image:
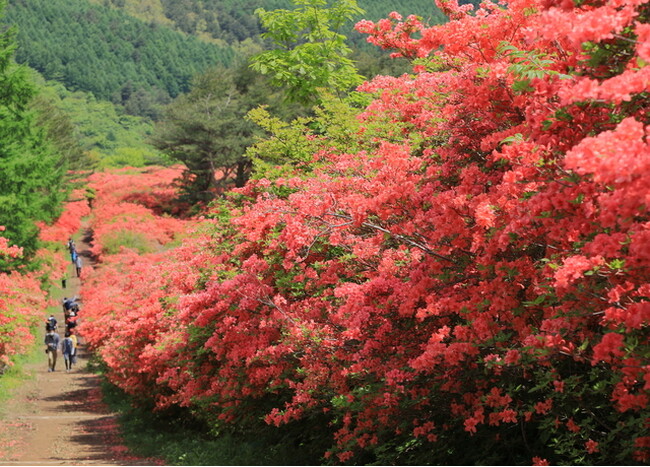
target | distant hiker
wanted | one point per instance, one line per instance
(71, 246)
(71, 321)
(68, 303)
(50, 324)
(75, 343)
(77, 263)
(52, 340)
(73, 256)
(67, 349)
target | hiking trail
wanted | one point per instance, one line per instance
(59, 418)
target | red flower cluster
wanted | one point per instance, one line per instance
(127, 210)
(21, 305)
(482, 260)
(67, 224)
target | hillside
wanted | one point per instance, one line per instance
(140, 54)
(234, 20)
(107, 52)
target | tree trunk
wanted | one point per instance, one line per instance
(243, 172)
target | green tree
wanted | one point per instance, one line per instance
(310, 55)
(61, 132)
(31, 171)
(207, 132)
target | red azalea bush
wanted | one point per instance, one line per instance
(68, 223)
(471, 286)
(21, 308)
(127, 210)
(150, 187)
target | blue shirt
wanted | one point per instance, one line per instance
(67, 346)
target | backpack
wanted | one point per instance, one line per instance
(68, 346)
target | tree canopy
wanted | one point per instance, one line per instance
(309, 53)
(31, 168)
(205, 130)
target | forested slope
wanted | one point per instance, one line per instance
(31, 165)
(104, 51)
(234, 20)
(139, 54)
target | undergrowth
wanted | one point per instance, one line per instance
(177, 438)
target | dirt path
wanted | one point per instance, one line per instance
(59, 418)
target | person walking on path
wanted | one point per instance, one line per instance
(75, 344)
(67, 349)
(52, 340)
(71, 246)
(50, 324)
(78, 265)
(69, 304)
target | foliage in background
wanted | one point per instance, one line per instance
(232, 21)
(105, 134)
(206, 130)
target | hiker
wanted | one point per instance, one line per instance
(71, 246)
(50, 324)
(77, 263)
(68, 304)
(67, 349)
(71, 321)
(52, 340)
(73, 256)
(75, 344)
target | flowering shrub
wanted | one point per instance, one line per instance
(21, 308)
(470, 284)
(68, 223)
(127, 210)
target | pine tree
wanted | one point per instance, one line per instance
(207, 132)
(30, 169)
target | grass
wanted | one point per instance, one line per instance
(126, 238)
(18, 374)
